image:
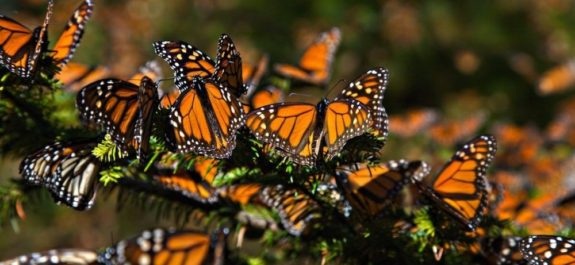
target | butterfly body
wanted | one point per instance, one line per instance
(205, 118)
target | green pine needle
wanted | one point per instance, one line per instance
(111, 175)
(107, 150)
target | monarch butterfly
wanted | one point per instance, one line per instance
(297, 210)
(204, 120)
(252, 74)
(21, 48)
(452, 131)
(504, 250)
(557, 79)
(122, 108)
(552, 250)
(75, 76)
(167, 246)
(189, 62)
(370, 189)
(239, 193)
(68, 171)
(315, 65)
(195, 184)
(56, 256)
(189, 185)
(460, 187)
(308, 133)
(412, 122)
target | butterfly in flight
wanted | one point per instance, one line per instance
(189, 62)
(21, 47)
(314, 66)
(69, 171)
(56, 256)
(123, 108)
(308, 133)
(546, 249)
(167, 246)
(370, 188)
(460, 187)
(297, 210)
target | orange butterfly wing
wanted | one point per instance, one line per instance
(552, 250)
(344, 120)
(70, 38)
(20, 47)
(267, 96)
(229, 66)
(186, 60)
(75, 76)
(286, 126)
(370, 189)
(206, 125)
(251, 75)
(460, 187)
(315, 65)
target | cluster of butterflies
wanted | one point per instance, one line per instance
(212, 101)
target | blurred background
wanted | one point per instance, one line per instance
(479, 64)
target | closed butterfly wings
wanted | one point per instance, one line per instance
(315, 65)
(370, 188)
(123, 108)
(68, 171)
(301, 131)
(460, 187)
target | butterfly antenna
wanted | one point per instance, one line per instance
(299, 94)
(335, 86)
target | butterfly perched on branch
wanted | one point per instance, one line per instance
(123, 108)
(22, 48)
(460, 188)
(68, 171)
(308, 133)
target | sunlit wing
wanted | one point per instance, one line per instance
(70, 38)
(552, 250)
(460, 187)
(344, 120)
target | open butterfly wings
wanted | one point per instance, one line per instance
(551, 250)
(315, 65)
(460, 187)
(20, 47)
(69, 171)
(161, 246)
(370, 189)
(123, 108)
(298, 130)
(70, 38)
(369, 89)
